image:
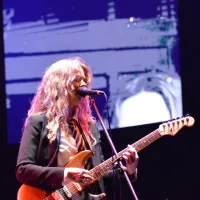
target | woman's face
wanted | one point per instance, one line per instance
(79, 81)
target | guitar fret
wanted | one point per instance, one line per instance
(147, 140)
(139, 145)
(95, 175)
(106, 167)
(101, 169)
(92, 174)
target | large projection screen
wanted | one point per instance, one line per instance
(131, 46)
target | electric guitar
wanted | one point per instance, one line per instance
(73, 190)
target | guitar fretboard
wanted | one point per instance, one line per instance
(107, 165)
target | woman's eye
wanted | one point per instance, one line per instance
(77, 79)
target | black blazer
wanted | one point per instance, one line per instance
(37, 158)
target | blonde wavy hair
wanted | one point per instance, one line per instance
(52, 96)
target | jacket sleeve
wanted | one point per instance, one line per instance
(27, 169)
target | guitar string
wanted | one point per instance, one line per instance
(138, 145)
(97, 171)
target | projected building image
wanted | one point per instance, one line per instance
(132, 49)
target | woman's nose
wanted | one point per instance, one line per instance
(83, 83)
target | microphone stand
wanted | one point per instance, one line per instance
(113, 148)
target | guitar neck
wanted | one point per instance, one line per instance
(107, 165)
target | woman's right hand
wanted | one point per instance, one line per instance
(77, 175)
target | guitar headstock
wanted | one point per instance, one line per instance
(172, 127)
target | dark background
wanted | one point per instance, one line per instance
(169, 168)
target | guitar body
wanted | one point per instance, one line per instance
(29, 192)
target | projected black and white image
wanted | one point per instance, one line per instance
(131, 46)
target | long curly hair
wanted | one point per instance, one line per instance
(52, 96)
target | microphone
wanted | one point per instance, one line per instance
(84, 91)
